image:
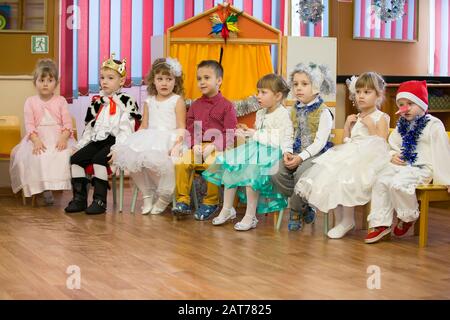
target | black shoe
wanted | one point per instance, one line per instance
(79, 201)
(75, 206)
(98, 205)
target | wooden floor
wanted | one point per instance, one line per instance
(126, 256)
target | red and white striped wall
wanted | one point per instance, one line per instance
(439, 38)
(92, 29)
(368, 25)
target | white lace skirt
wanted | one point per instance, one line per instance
(147, 148)
(48, 171)
(345, 174)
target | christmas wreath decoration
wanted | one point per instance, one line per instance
(310, 10)
(396, 11)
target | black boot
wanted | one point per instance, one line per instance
(79, 201)
(98, 205)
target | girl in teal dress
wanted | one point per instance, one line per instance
(250, 165)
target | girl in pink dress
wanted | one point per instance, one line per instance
(40, 162)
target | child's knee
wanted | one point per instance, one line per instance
(75, 159)
(383, 183)
(298, 173)
(100, 159)
(276, 178)
(399, 187)
(181, 167)
(185, 161)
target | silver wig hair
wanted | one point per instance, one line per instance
(320, 76)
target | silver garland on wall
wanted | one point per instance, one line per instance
(310, 10)
(396, 10)
(246, 106)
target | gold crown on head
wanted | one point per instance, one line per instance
(111, 64)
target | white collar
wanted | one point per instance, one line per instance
(315, 100)
(102, 94)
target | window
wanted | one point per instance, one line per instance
(23, 15)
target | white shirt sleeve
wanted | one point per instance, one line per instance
(259, 118)
(124, 129)
(395, 143)
(322, 135)
(440, 154)
(288, 133)
(86, 137)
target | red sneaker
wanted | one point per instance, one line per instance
(377, 234)
(402, 228)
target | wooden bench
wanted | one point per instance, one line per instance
(425, 195)
(9, 138)
(9, 135)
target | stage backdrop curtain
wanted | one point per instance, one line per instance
(243, 65)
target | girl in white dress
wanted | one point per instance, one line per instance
(342, 177)
(40, 163)
(147, 154)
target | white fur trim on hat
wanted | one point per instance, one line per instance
(413, 98)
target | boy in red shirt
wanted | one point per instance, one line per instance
(214, 119)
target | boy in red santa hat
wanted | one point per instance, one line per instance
(420, 153)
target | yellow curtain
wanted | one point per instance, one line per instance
(243, 66)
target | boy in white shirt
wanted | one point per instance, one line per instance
(312, 122)
(109, 119)
(420, 152)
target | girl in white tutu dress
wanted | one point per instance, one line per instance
(41, 162)
(147, 154)
(342, 177)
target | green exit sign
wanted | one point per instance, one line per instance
(39, 44)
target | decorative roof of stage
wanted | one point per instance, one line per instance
(198, 28)
(254, 60)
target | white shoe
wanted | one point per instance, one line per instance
(245, 227)
(340, 231)
(217, 221)
(159, 207)
(148, 205)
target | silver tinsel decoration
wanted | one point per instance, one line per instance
(246, 106)
(396, 10)
(310, 10)
(188, 103)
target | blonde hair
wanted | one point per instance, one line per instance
(275, 83)
(374, 81)
(44, 68)
(161, 66)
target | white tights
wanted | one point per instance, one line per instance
(252, 203)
